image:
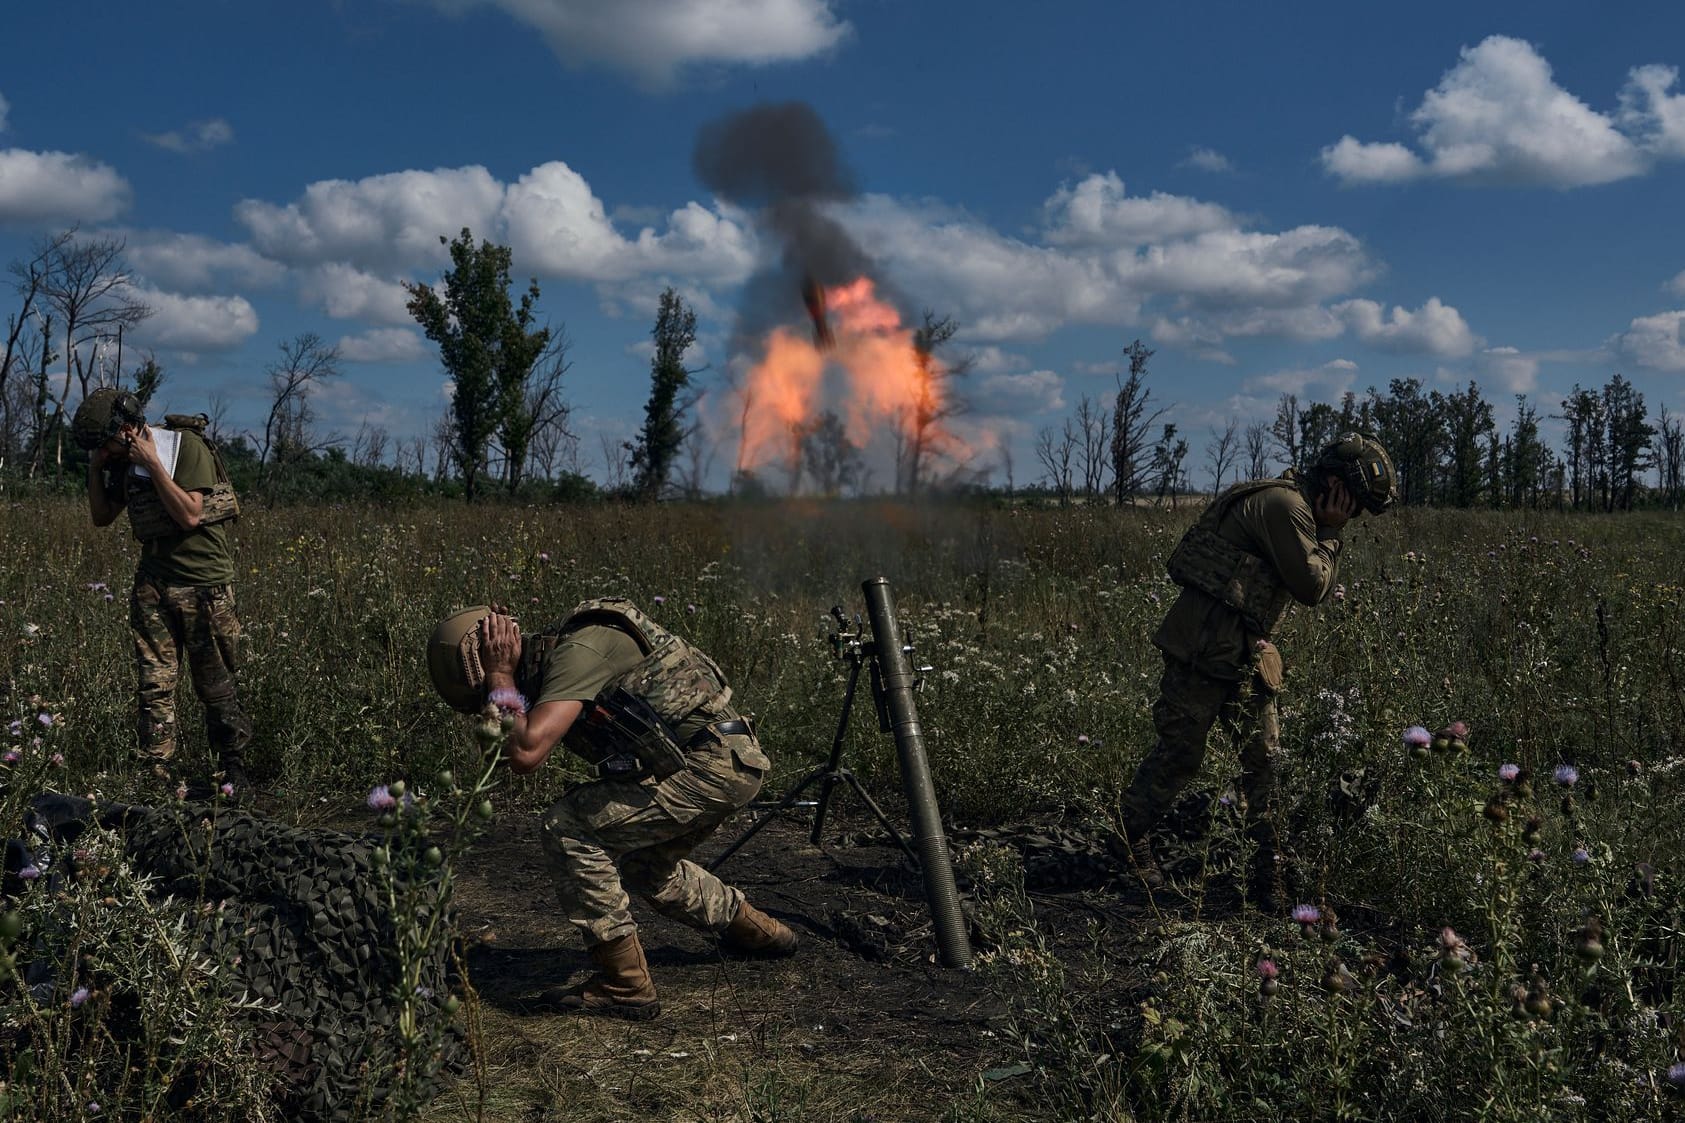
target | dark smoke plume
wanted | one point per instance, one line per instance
(780, 162)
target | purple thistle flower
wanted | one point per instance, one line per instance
(691, 609)
(1268, 969)
(1417, 737)
(424, 990)
(181, 791)
(93, 1107)
(543, 556)
(1676, 1075)
(56, 760)
(1306, 914)
(109, 598)
(1566, 775)
(15, 728)
(12, 757)
(1508, 772)
(78, 996)
(381, 798)
(30, 872)
(227, 790)
(659, 599)
(1082, 738)
(45, 719)
(1580, 856)
(1535, 855)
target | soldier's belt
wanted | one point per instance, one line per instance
(720, 730)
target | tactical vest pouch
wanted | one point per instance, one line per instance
(619, 728)
(148, 518)
(1271, 673)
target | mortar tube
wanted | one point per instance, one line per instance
(953, 945)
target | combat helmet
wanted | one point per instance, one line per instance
(102, 413)
(453, 659)
(1363, 465)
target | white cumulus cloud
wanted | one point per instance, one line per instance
(555, 224)
(195, 263)
(655, 39)
(1510, 368)
(199, 136)
(1325, 383)
(1656, 342)
(1098, 211)
(1499, 117)
(1433, 329)
(58, 187)
(195, 323)
(383, 345)
(1019, 394)
(348, 293)
(1207, 160)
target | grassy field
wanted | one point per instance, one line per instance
(1483, 947)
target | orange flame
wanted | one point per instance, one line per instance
(883, 383)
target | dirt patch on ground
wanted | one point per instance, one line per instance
(860, 1024)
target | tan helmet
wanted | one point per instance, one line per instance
(453, 659)
(102, 413)
(1360, 461)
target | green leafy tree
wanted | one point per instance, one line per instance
(663, 433)
(488, 345)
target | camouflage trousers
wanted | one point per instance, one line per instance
(648, 830)
(1189, 704)
(195, 624)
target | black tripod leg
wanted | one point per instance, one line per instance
(835, 766)
(883, 819)
(769, 815)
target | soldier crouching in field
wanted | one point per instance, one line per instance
(1259, 546)
(180, 504)
(673, 760)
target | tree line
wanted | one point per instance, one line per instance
(1446, 446)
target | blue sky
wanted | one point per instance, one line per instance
(1303, 197)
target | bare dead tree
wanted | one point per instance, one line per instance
(443, 440)
(1222, 452)
(29, 281)
(1006, 465)
(305, 363)
(368, 448)
(698, 452)
(217, 411)
(1670, 457)
(616, 461)
(1133, 416)
(1055, 449)
(1093, 425)
(546, 406)
(1257, 450)
(934, 399)
(87, 284)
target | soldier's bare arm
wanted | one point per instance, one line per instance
(538, 731)
(183, 506)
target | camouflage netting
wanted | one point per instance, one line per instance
(313, 939)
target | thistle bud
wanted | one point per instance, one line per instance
(397, 789)
(489, 731)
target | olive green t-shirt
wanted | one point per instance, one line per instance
(577, 669)
(200, 556)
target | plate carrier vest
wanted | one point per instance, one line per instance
(1234, 577)
(148, 517)
(637, 712)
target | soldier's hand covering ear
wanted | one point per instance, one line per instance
(1335, 506)
(500, 644)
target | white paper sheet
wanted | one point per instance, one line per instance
(168, 442)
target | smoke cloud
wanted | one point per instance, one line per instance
(781, 162)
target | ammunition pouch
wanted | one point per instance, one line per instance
(623, 736)
(1268, 667)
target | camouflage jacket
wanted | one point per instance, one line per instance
(1295, 561)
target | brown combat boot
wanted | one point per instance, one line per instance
(1140, 857)
(621, 988)
(753, 932)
